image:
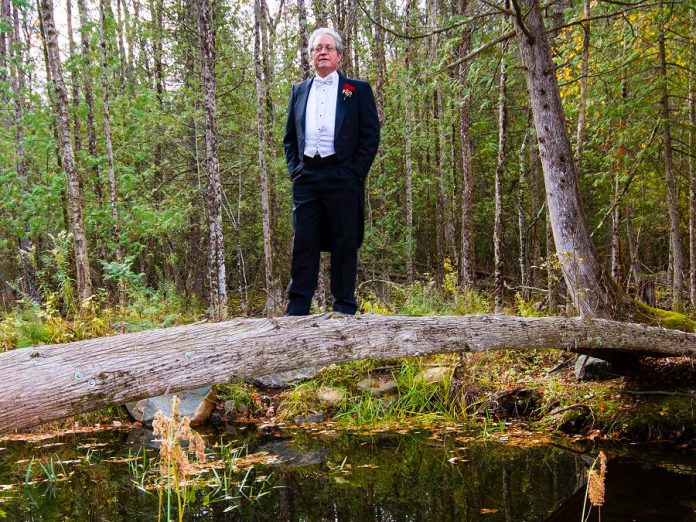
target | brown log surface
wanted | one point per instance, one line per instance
(45, 383)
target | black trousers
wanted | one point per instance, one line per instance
(325, 217)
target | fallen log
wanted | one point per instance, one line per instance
(45, 383)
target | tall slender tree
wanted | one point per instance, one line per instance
(74, 196)
(466, 261)
(692, 168)
(110, 150)
(217, 282)
(499, 172)
(273, 292)
(672, 203)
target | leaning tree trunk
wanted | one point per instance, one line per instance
(110, 153)
(75, 204)
(273, 292)
(672, 203)
(44, 383)
(591, 294)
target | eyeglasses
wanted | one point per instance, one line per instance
(319, 48)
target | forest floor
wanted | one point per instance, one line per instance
(486, 394)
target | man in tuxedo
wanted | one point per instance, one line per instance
(331, 139)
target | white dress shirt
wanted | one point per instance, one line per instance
(320, 116)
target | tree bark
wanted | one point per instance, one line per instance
(592, 295)
(213, 190)
(74, 87)
(582, 104)
(672, 203)
(128, 28)
(121, 48)
(410, 247)
(44, 383)
(467, 273)
(499, 171)
(75, 203)
(110, 152)
(5, 16)
(692, 169)
(522, 190)
(273, 292)
(302, 19)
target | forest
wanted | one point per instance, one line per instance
(533, 196)
(141, 146)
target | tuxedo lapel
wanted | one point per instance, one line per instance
(301, 108)
(341, 103)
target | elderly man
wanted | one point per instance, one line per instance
(331, 138)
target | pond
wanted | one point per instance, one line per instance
(322, 474)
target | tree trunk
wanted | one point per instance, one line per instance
(5, 17)
(75, 204)
(122, 58)
(672, 203)
(44, 383)
(110, 153)
(273, 292)
(73, 79)
(582, 104)
(128, 28)
(522, 189)
(410, 247)
(692, 169)
(89, 97)
(592, 296)
(302, 19)
(537, 209)
(551, 268)
(467, 273)
(499, 171)
(213, 190)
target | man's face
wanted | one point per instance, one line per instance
(327, 58)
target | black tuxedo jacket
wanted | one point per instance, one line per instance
(356, 137)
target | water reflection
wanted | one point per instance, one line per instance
(381, 477)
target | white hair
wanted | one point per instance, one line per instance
(322, 31)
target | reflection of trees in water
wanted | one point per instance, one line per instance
(384, 477)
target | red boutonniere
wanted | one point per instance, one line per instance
(348, 90)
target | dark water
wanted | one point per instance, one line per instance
(380, 477)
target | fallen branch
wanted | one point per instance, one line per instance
(45, 383)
